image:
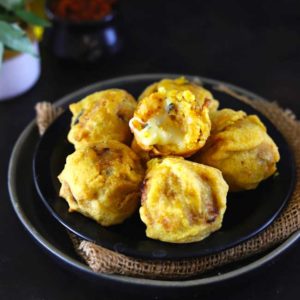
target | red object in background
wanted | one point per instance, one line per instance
(82, 10)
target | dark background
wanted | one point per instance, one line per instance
(252, 44)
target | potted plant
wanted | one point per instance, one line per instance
(19, 63)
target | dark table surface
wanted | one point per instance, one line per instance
(252, 44)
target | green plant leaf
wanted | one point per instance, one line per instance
(13, 37)
(7, 17)
(31, 18)
(1, 53)
(11, 4)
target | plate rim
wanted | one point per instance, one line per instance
(119, 278)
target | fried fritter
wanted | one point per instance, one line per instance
(241, 148)
(144, 155)
(182, 84)
(102, 116)
(182, 201)
(102, 181)
(171, 122)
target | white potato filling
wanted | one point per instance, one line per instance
(159, 129)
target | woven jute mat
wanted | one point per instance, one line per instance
(107, 261)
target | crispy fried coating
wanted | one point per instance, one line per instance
(241, 148)
(182, 201)
(102, 116)
(182, 84)
(102, 181)
(171, 122)
(144, 155)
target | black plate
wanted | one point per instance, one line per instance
(247, 212)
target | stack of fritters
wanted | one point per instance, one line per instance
(102, 178)
(194, 153)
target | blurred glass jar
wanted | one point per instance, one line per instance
(83, 32)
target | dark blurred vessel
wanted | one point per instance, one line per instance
(85, 40)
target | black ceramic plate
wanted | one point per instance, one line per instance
(247, 212)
